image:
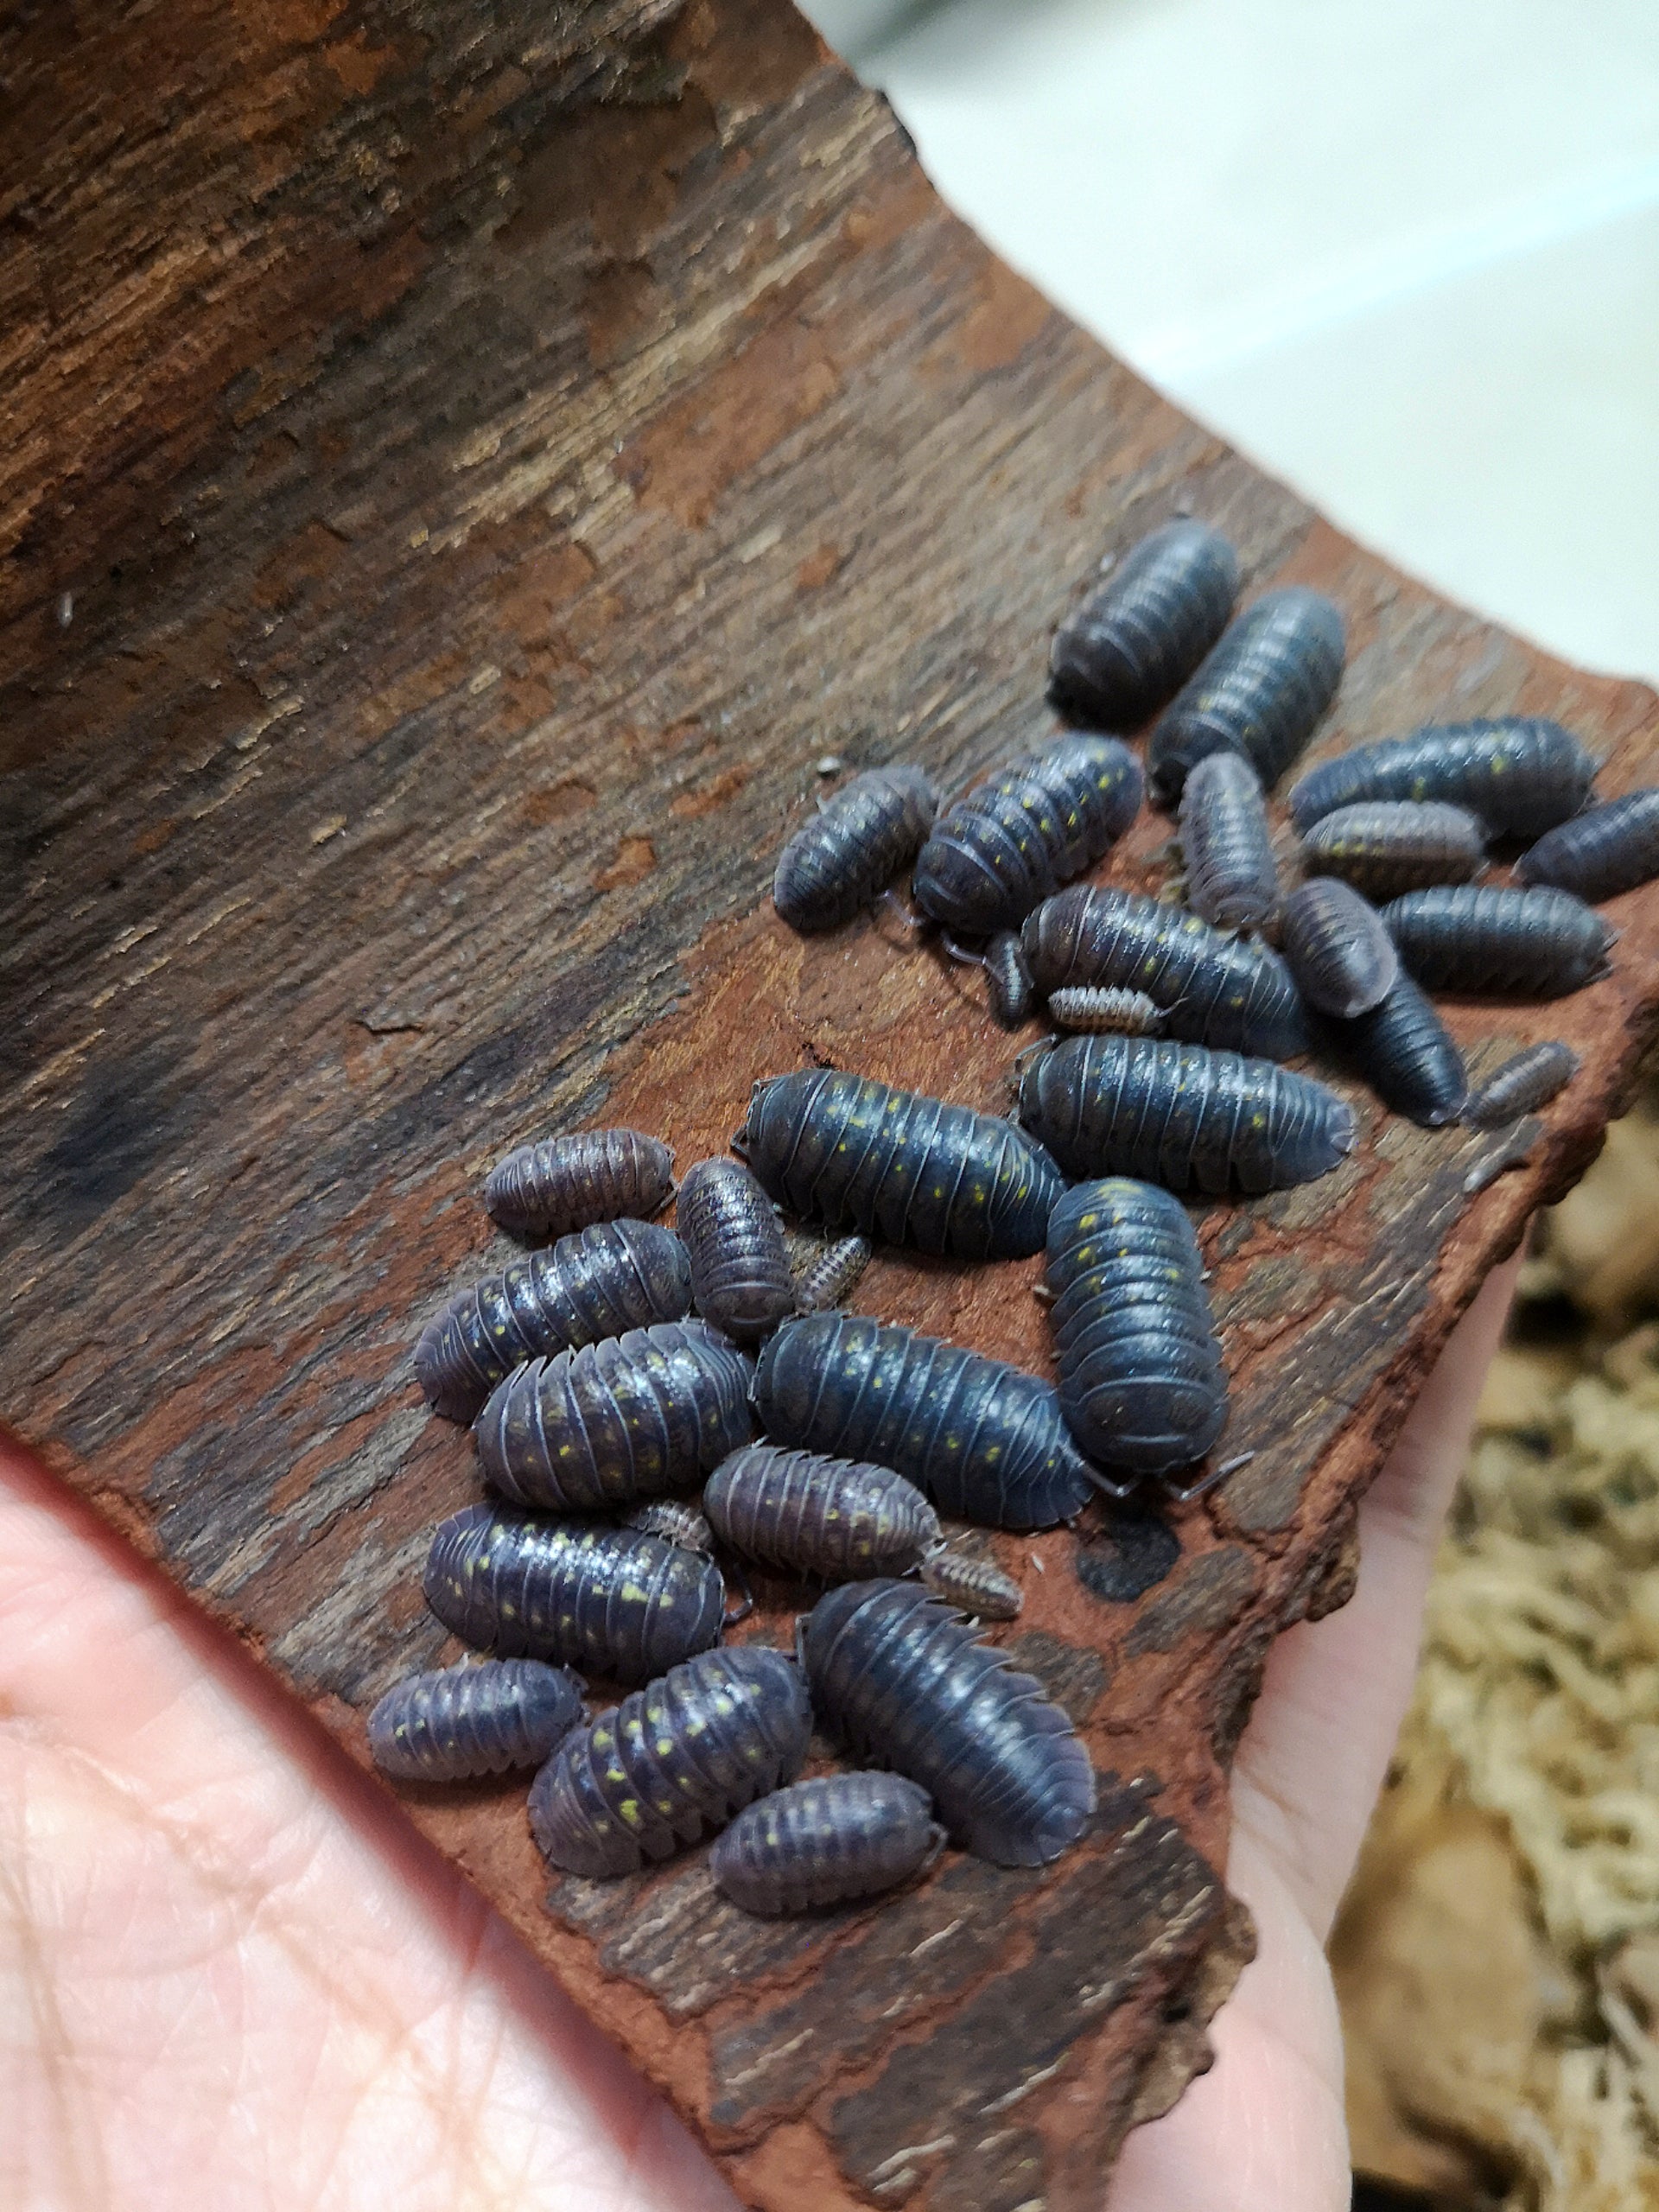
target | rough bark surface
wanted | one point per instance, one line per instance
(460, 469)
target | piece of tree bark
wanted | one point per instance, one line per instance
(462, 468)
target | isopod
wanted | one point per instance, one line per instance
(740, 1279)
(1519, 774)
(633, 1417)
(1136, 638)
(855, 1154)
(905, 1682)
(1232, 878)
(1182, 1117)
(1468, 937)
(821, 1841)
(1259, 692)
(1030, 827)
(1007, 980)
(864, 836)
(1599, 854)
(565, 1183)
(616, 1275)
(483, 1717)
(673, 1761)
(672, 1520)
(842, 1520)
(972, 1585)
(985, 1440)
(1385, 846)
(607, 1601)
(1339, 948)
(1409, 1057)
(1100, 1009)
(1526, 1082)
(827, 1280)
(1215, 989)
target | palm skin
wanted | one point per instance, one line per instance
(232, 1975)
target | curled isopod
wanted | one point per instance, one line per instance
(821, 1841)
(905, 1682)
(1339, 951)
(1232, 878)
(1100, 1009)
(972, 1585)
(1385, 846)
(1007, 980)
(842, 1519)
(741, 1278)
(486, 1716)
(1259, 692)
(1136, 638)
(1468, 937)
(1409, 1057)
(674, 1521)
(864, 836)
(1520, 774)
(1600, 853)
(825, 1282)
(1029, 828)
(565, 1183)
(1526, 1082)
(673, 1760)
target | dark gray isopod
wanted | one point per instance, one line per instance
(864, 836)
(1142, 1382)
(985, 1440)
(1526, 1082)
(1599, 854)
(1007, 980)
(859, 1154)
(616, 1275)
(842, 1519)
(1384, 846)
(634, 1417)
(607, 1601)
(972, 1585)
(1232, 878)
(480, 1718)
(1215, 989)
(1106, 1009)
(1467, 937)
(1409, 1057)
(1029, 828)
(564, 1183)
(1338, 949)
(1520, 774)
(904, 1683)
(1260, 692)
(820, 1841)
(741, 1278)
(1182, 1116)
(671, 1761)
(825, 1282)
(1137, 638)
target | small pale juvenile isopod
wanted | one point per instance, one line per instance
(1520, 774)
(1137, 638)
(740, 1279)
(905, 1682)
(1030, 827)
(1468, 937)
(1142, 1382)
(1260, 692)
(842, 1519)
(672, 1520)
(1599, 854)
(1409, 1057)
(1232, 878)
(1104, 1009)
(1215, 989)
(565, 1183)
(607, 1601)
(616, 1275)
(633, 1417)
(1385, 846)
(820, 1841)
(671, 1761)
(972, 1585)
(855, 1154)
(1526, 1082)
(825, 1281)
(1007, 980)
(486, 1716)
(985, 1440)
(1338, 949)
(864, 836)
(1182, 1116)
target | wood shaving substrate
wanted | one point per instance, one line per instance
(1497, 1957)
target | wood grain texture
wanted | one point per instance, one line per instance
(461, 468)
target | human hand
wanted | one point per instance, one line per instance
(235, 1977)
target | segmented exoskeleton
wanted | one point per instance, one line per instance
(1519, 774)
(1385, 846)
(820, 1841)
(1232, 878)
(1468, 937)
(741, 1278)
(1106, 1009)
(1526, 1082)
(825, 1281)
(1260, 692)
(1338, 949)
(864, 836)
(480, 1718)
(1600, 853)
(842, 1519)
(1409, 1057)
(1138, 636)
(972, 1585)
(565, 1183)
